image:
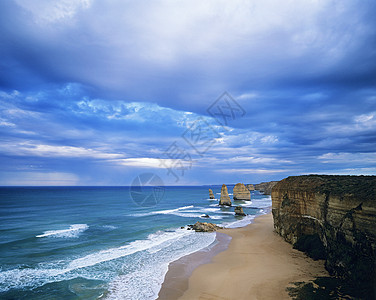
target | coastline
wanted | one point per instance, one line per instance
(257, 264)
(177, 277)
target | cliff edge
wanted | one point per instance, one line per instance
(332, 218)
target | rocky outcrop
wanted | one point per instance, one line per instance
(240, 192)
(331, 217)
(266, 187)
(225, 198)
(211, 195)
(204, 227)
(239, 211)
(250, 187)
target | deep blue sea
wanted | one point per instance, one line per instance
(97, 243)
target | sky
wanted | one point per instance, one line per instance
(196, 92)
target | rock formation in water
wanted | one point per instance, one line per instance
(204, 227)
(211, 195)
(334, 218)
(265, 187)
(239, 211)
(240, 192)
(225, 198)
(250, 187)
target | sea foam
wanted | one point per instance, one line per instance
(153, 240)
(240, 223)
(145, 282)
(178, 240)
(72, 232)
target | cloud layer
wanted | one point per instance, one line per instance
(97, 92)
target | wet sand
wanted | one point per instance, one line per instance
(177, 278)
(258, 264)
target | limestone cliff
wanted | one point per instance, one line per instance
(225, 198)
(211, 195)
(250, 187)
(331, 217)
(265, 187)
(240, 192)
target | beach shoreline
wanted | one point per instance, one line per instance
(256, 264)
(179, 271)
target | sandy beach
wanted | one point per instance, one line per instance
(258, 264)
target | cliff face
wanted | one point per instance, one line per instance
(250, 187)
(265, 187)
(332, 217)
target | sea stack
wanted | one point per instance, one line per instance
(211, 195)
(239, 211)
(241, 192)
(225, 198)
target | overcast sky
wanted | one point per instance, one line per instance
(97, 92)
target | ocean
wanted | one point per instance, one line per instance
(102, 242)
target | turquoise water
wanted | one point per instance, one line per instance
(96, 242)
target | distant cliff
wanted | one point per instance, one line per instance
(334, 218)
(250, 187)
(265, 187)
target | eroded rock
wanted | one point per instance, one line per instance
(225, 198)
(239, 211)
(240, 192)
(204, 227)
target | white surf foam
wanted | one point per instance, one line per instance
(209, 209)
(170, 211)
(72, 232)
(186, 212)
(162, 212)
(111, 227)
(153, 240)
(201, 212)
(240, 223)
(84, 266)
(212, 217)
(146, 282)
(20, 278)
(188, 215)
(247, 204)
(264, 202)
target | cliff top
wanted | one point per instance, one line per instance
(362, 187)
